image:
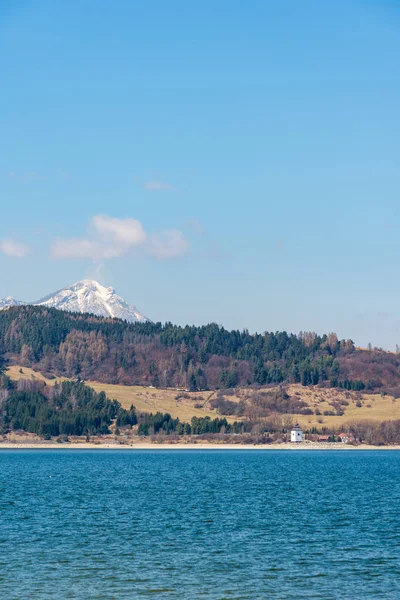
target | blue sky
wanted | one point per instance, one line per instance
(214, 160)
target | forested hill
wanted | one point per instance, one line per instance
(207, 357)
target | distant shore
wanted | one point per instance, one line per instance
(199, 446)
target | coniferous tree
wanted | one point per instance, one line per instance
(113, 351)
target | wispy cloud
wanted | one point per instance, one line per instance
(109, 237)
(159, 186)
(15, 249)
(27, 176)
(82, 248)
(196, 226)
(213, 251)
(30, 176)
(63, 173)
(169, 244)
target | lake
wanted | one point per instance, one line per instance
(199, 524)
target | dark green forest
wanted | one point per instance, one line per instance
(194, 358)
(70, 408)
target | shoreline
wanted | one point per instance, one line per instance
(150, 446)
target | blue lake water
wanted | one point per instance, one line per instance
(199, 524)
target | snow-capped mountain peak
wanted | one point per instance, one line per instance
(9, 301)
(87, 296)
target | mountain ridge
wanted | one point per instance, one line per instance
(85, 296)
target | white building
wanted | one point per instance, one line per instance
(296, 435)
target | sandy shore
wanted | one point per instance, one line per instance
(200, 446)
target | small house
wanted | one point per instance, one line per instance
(324, 438)
(296, 435)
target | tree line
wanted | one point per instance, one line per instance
(191, 357)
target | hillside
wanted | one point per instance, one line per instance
(192, 358)
(328, 409)
(33, 405)
(182, 405)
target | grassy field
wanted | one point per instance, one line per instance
(153, 400)
(186, 405)
(145, 399)
(373, 406)
(16, 373)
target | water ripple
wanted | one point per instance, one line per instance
(199, 525)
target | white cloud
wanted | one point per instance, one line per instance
(170, 244)
(158, 186)
(109, 237)
(82, 248)
(127, 232)
(13, 248)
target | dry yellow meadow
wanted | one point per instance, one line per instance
(186, 405)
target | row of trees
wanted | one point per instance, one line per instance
(163, 423)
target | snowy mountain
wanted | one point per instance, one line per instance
(86, 296)
(9, 301)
